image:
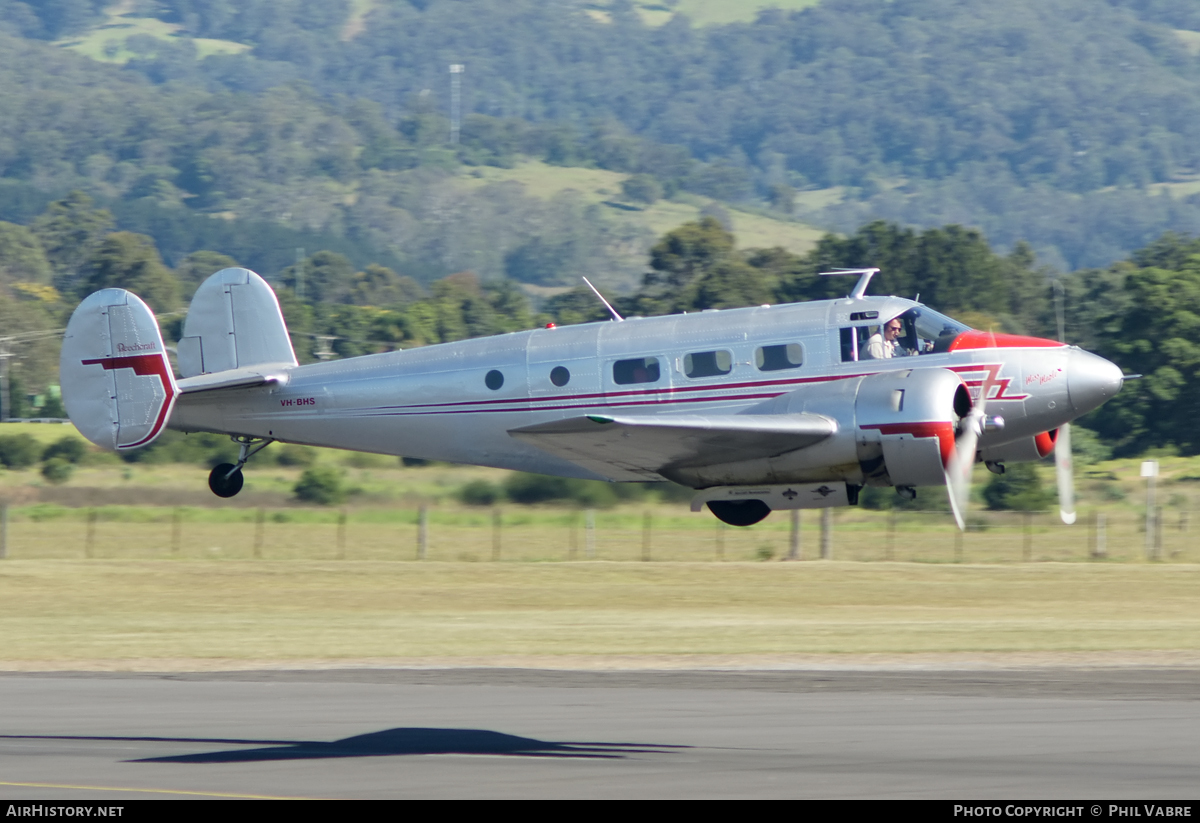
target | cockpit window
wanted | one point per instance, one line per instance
(933, 332)
(921, 331)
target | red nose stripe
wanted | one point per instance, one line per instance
(988, 340)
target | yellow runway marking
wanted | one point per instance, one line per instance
(151, 791)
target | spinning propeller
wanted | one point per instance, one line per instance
(958, 470)
(1063, 467)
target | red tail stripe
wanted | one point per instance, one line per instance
(143, 365)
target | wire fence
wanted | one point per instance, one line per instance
(449, 534)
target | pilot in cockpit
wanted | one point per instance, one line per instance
(886, 344)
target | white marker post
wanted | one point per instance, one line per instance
(1150, 471)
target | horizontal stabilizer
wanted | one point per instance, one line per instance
(639, 448)
(232, 379)
(116, 379)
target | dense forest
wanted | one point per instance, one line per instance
(1049, 123)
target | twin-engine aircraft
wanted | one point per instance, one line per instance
(758, 409)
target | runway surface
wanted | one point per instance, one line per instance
(501, 733)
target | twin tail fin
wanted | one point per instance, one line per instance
(117, 382)
(116, 379)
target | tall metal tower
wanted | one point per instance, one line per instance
(456, 70)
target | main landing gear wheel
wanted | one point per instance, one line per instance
(225, 480)
(739, 512)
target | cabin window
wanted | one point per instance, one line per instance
(494, 380)
(560, 376)
(638, 370)
(707, 363)
(775, 358)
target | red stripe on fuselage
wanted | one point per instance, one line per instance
(143, 365)
(990, 340)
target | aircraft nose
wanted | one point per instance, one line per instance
(1091, 380)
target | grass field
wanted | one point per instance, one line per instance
(713, 12)
(98, 576)
(148, 615)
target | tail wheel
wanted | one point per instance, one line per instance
(224, 484)
(739, 512)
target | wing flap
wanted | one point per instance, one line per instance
(639, 448)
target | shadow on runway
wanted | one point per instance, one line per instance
(390, 742)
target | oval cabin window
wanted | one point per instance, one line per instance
(494, 380)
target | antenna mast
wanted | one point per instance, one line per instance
(607, 305)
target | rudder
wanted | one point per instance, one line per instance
(116, 379)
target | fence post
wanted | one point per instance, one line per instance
(497, 520)
(794, 550)
(826, 534)
(573, 537)
(91, 533)
(1159, 522)
(720, 541)
(1027, 543)
(341, 535)
(589, 534)
(3, 531)
(1150, 472)
(646, 537)
(259, 526)
(422, 532)
(176, 531)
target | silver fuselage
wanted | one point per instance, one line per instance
(435, 402)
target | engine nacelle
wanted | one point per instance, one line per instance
(894, 428)
(906, 423)
(1025, 450)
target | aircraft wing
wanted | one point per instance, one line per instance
(630, 447)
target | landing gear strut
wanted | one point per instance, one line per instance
(226, 479)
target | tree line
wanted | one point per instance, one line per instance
(1139, 312)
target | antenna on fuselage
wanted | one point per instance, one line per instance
(860, 288)
(607, 305)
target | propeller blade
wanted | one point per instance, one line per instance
(958, 472)
(1064, 468)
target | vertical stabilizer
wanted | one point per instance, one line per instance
(234, 322)
(116, 378)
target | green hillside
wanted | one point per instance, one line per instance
(754, 230)
(124, 35)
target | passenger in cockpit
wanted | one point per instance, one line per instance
(886, 344)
